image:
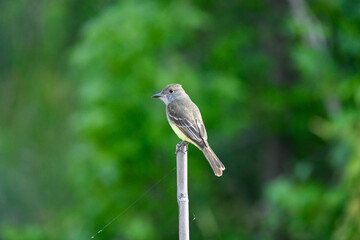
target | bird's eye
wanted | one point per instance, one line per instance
(171, 91)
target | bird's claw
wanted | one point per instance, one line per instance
(181, 147)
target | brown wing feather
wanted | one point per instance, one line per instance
(200, 123)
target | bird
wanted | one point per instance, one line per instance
(185, 119)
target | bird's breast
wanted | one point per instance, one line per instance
(179, 133)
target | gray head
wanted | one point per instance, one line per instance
(170, 93)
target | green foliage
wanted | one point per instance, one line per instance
(81, 139)
(306, 211)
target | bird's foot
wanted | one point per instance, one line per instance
(181, 147)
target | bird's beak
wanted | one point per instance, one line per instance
(159, 95)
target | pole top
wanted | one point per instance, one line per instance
(182, 147)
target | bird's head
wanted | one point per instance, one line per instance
(171, 93)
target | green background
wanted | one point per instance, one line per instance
(278, 85)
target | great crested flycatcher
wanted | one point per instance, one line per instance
(185, 119)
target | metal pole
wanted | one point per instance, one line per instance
(182, 190)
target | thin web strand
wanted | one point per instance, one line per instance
(135, 202)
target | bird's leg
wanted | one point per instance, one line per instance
(182, 147)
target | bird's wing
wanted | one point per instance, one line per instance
(188, 123)
(201, 126)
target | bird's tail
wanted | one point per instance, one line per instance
(214, 161)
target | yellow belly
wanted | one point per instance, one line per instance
(180, 134)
